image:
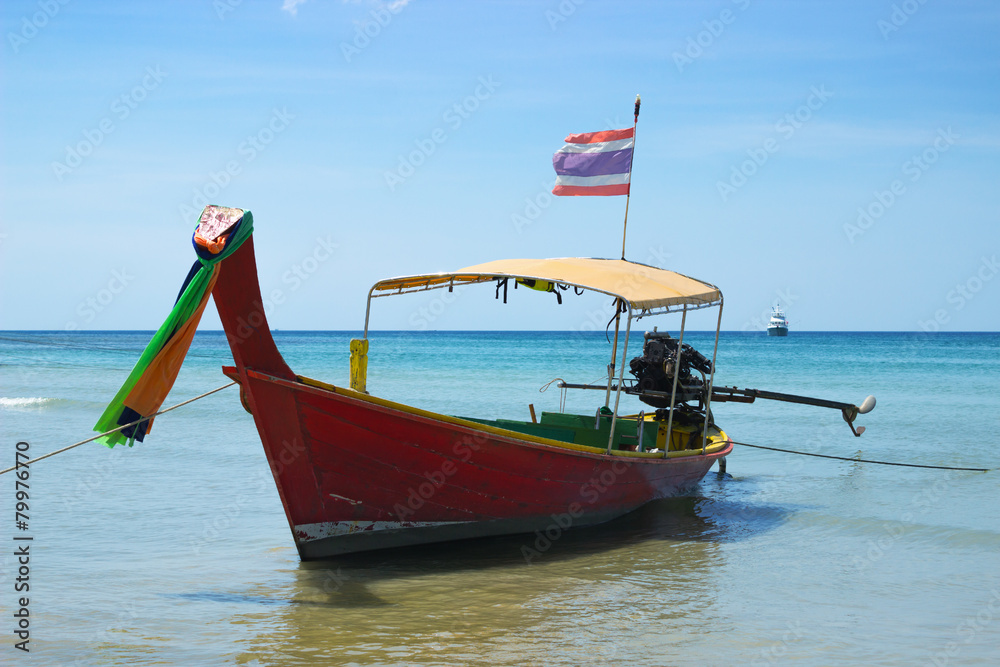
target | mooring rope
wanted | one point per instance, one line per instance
(83, 442)
(744, 444)
(562, 392)
(845, 458)
(132, 351)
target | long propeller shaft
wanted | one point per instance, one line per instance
(849, 410)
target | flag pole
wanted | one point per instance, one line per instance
(619, 304)
(628, 195)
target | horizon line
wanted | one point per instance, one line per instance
(571, 331)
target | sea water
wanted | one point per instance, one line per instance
(177, 551)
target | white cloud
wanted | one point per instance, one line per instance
(392, 5)
(292, 6)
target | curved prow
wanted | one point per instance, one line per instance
(241, 309)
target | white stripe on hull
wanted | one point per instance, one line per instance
(309, 532)
(393, 534)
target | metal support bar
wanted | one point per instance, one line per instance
(621, 371)
(639, 424)
(711, 383)
(368, 312)
(673, 391)
(570, 385)
(614, 353)
(639, 431)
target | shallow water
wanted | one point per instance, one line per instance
(178, 552)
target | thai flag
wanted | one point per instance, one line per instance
(595, 163)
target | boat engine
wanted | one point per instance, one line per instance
(654, 371)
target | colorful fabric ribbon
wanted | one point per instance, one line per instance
(220, 232)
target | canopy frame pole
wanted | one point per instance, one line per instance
(621, 371)
(673, 390)
(614, 352)
(368, 310)
(711, 383)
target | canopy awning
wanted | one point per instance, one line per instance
(642, 287)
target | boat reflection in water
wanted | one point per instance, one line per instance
(641, 581)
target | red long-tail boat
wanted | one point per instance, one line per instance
(356, 472)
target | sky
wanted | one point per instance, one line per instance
(840, 158)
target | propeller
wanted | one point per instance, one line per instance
(851, 413)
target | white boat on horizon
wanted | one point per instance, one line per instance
(778, 325)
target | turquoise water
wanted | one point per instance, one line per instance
(178, 552)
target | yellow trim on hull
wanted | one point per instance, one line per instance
(717, 440)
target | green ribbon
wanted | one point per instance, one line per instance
(184, 309)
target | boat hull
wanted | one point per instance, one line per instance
(356, 473)
(359, 473)
(777, 331)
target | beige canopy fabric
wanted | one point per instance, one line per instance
(642, 287)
